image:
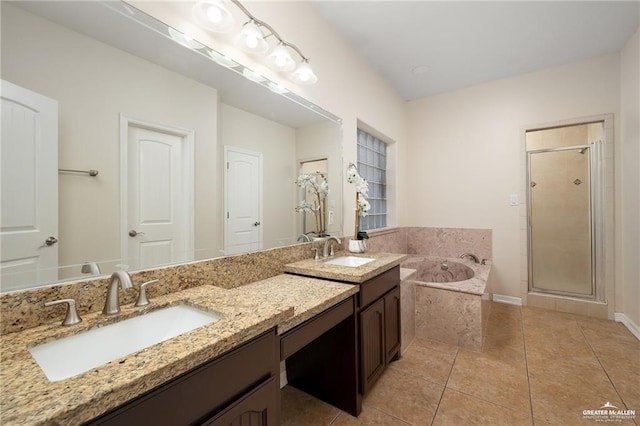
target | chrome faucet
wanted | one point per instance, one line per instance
(327, 244)
(112, 304)
(471, 256)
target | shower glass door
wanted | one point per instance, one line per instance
(561, 219)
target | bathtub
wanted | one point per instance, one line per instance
(452, 299)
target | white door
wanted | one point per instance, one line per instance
(159, 216)
(243, 200)
(29, 188)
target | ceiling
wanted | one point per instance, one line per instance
(427, 47)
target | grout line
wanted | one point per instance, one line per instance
(526, 364)
(601, 366)
(444, 389)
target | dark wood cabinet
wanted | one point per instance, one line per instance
(392, 323)
(372, 331)
(239, 387)
(379, 326)
(257, 408)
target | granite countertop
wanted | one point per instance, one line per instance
(308, 296)
(28, 397)
(359, 274)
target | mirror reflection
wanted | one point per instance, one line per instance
(193, 160)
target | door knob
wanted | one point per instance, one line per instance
(50, 241)
(256, 223)
(134, 233)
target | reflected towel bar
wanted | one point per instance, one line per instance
(89, 172)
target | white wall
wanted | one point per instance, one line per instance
(277, 144)
(466, 150)
(93, 83)
(628, 279)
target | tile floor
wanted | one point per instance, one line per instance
(537, 367)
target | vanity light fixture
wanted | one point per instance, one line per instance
(213, 15)
(304, 74)
(251, 38)
(280, 59)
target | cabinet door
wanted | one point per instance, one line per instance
(392, 324)
(257, 408)
(372, 346)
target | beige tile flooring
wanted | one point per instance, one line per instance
(537, 367)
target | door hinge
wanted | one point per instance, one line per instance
(227, 165)
(227, 215)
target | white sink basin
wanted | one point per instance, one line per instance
(352, 261)
(72, 355)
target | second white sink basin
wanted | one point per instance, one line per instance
(352, 261)
(72, 355)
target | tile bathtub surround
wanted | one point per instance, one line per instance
(20, 310)
(408, 308)
(427, 241)
(449, 242)
(569, 363)
(449, 316)
(391, 240)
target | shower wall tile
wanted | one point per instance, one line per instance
(449, 242)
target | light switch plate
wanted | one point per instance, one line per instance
(513, 200)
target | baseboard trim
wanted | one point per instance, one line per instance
(633, 327)
(509, 300)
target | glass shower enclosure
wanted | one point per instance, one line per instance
(564, 219)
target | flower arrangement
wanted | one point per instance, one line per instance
(316, 185)
(362, 204)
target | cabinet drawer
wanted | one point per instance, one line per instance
(199, 393)
(374, 288)
(257, 408)
(294, 340)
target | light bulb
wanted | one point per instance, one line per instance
(251, 41)
(214, 14)
(280, 59)
(304, 74)
(251, 38)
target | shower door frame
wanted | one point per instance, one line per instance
(596, 170)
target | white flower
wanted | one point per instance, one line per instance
(362, 186)
(303, 206)
(303, 180)
(363, 206)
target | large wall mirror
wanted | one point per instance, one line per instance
(193, 159)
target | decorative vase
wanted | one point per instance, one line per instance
(357, 246)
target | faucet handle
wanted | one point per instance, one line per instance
(71, 316)
(315, 250)
(142, 296)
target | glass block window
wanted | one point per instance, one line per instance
(372, 166)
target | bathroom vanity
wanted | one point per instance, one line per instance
(336, 338)
(240, 387)
(377, 313)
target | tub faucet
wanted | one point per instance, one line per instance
(327, 245)
(112, 304)
(471, 256)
